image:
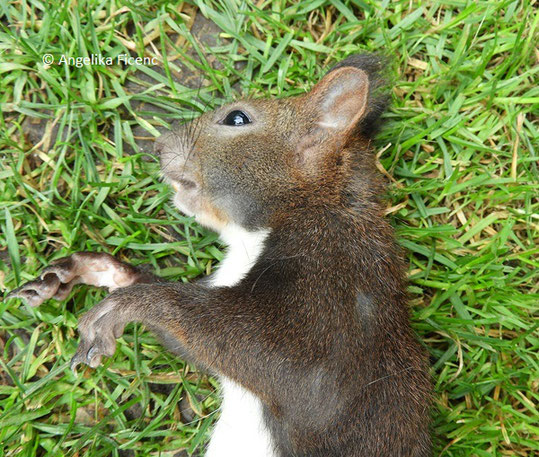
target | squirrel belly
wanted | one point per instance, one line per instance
(241, 418)
(241, 430)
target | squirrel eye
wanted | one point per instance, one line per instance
(236, 118)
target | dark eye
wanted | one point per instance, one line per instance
(236, 118)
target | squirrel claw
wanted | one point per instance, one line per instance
(48, 285)
(75, 362)
(91, 357)
(80, 357)
(29, 297)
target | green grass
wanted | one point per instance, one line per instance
(460, 148)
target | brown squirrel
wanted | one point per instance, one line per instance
(305, 321)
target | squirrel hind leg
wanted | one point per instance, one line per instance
(90, 268)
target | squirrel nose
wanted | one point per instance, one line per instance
(177, 161)
(173, 145)
(161, 143)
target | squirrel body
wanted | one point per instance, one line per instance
(306, 320)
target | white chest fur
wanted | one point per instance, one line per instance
(240, 431)
(243, 249)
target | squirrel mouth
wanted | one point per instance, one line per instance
(184, 185)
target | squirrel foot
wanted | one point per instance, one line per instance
(57, 280)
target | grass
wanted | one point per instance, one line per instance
(459, 150)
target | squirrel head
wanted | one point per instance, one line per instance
(250, 161)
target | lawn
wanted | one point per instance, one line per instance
(459, 150)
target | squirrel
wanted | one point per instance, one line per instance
(305, 322)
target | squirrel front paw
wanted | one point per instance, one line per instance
(98, 328)
(156, 306)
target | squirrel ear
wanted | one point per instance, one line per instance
(341, 100)
(337, 104)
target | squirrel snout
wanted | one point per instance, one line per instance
(176, 157)
(169, 142)
(160, 144)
